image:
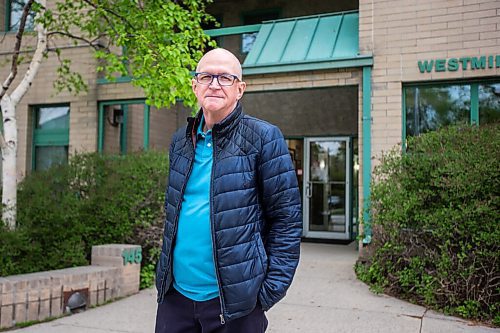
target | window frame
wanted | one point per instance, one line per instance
(474, 97)
(124, 103)
(48, 137)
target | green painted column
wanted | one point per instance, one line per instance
(403, 120)
(367, 148)
(123, 129)
(100, 134)
(474, 104)
(147, 110)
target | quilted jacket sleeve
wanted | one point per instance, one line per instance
(283, 216)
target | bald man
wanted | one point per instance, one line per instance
(233, 213)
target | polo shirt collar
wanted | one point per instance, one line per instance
(200, 128)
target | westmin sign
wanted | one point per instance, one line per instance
(454, 64)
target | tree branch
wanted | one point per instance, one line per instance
(36, 60)
(17, 48)
(124, 19)
(67, 34)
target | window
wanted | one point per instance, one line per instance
(429, 107)
(247, 40)
(50, 136)
(14, 13)
(489, 103)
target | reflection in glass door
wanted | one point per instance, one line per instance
(326, 188)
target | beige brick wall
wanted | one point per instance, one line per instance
(111, 143)
(400, 32)
(135, 128)
(307, 79)
(163, 123)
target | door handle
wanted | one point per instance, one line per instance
(309, 190)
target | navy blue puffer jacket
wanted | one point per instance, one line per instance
(255, 211)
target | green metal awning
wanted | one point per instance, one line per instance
(307, 43)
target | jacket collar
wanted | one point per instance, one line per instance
(221, 128)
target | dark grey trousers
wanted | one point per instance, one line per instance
(179, 314)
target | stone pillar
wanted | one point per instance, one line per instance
(125, 257)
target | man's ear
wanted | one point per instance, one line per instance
(193, 85)
(241, 89)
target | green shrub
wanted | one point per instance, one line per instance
(435, 214)
(95, 199)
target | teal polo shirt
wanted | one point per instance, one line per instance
(193, 262)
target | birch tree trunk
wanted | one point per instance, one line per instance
(9, 141)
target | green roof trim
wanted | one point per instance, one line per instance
(360, 61)
(120, 79)
(233, 30)
(307, 43)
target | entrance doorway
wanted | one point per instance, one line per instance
(326, 188)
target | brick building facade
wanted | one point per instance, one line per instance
(386, 64)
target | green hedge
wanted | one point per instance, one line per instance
(435, 216)
(95, 199)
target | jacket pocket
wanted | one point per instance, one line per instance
(262, 252)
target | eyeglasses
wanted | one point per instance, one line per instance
(224, 80)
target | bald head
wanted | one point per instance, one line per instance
(218, 101)
(217, 57)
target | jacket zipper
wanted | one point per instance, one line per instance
(212, 224)
(176, 222)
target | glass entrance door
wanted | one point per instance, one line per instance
(326, 188)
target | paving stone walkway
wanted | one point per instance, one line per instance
(325, 297)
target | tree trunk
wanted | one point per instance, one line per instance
(9, 163)
(9, 143)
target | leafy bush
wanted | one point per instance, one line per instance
(435, 214)
(95, 199)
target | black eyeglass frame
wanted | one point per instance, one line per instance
(216, 76)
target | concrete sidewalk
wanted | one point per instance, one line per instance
(325, 297)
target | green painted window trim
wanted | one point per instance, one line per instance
(47, 137)
(403, 120)
(121, 79)
(55, 137)
(7, 16)
(474, 103)
(123, 130)
(474, 98)
(481, 80)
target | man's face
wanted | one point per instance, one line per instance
(214, 98)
